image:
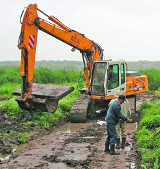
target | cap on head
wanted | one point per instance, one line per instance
(122, 97)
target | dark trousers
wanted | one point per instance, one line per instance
(111, 134)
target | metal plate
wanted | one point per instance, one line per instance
(48, 90)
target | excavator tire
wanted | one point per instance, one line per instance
(44, 97)
(78, 113)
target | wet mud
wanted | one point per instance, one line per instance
(78, 146)
(74, 145)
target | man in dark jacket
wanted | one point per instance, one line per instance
(112, 117)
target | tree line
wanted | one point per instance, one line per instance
(78, 65)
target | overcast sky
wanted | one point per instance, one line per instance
(126, 29)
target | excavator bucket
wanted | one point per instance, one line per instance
(44, 97)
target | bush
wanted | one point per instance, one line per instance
(149, 108)
(11, 107)
(150, 121)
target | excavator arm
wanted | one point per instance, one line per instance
(31, 23)
(27, 43)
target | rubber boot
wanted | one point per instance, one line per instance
(107, 150)
(118, 143)
(123, 142)
(112, 150)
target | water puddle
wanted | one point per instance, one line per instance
(101, 122)
(6, 158)
(70, 128)
(132, 165)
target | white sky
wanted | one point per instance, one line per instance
(125, 29)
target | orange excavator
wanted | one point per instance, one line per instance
(104, 78)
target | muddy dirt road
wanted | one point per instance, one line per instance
(74, 145)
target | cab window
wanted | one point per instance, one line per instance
(98, 77)
(122, 74)
(113, 76)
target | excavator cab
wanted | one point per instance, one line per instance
(108, 77)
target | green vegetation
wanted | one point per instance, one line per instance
(46, 75)
(148, 134)
(7, 89)
(22, 137)
(11, 107)
(153, 78)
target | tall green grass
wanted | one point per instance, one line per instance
(9, 75)
(46, 75)
(148, 133)
(6, 90)
(153, 78)
(10, 78)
